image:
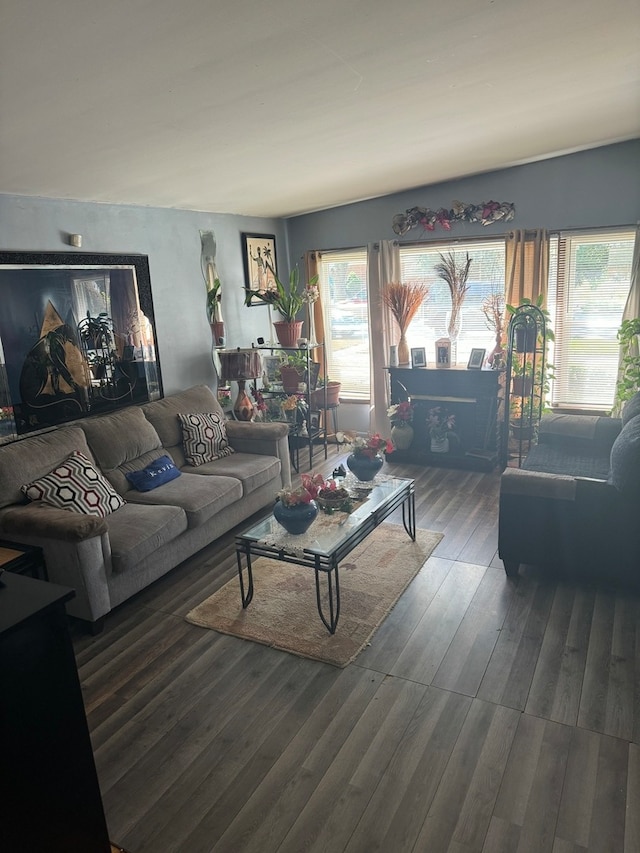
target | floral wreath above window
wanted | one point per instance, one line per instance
(486, 212)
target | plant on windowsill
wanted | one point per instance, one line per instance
(629, 380)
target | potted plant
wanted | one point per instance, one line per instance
(401, 416)
(365, 459)
(493, 307)
(296, 509)
(440, 424)
(403, 300)
(214, 310)
(287, 300)
(456, 275)
(629, 379)
(333, 394)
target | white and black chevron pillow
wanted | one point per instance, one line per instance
(75, 485)
(204, 437)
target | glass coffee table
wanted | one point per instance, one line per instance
(327, 542)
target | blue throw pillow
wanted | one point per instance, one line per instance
(159, 471)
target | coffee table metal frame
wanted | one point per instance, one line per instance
(248, 546)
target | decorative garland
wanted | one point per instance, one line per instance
(486, 212)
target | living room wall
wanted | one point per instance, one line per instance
(171, 239)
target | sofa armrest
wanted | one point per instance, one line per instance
(538, 484)
(48, 522)
(266, 439)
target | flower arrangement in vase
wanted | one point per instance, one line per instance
(403, 300)
(493, 307)
(440, 424)
(456, 275)
(401, 416)
(365, 459)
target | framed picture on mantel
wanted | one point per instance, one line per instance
(443, 352)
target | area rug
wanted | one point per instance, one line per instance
(284, 615)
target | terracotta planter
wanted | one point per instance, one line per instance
(291, 378)
(288, 333)
(333, 396)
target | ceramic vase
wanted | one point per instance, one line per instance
(439, 444)
(295, 519)
(402, 436)
(363, 467)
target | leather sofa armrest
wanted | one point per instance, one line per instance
(40, 521)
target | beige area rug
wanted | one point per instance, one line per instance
(284, 614)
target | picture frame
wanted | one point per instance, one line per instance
(260, 263)
(314, 422)
(418, 357)
(476, 359)
(77, 337)
(271, 366)
(443, 352)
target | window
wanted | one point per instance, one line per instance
(589, 281)
(486, 276)
(345, 303)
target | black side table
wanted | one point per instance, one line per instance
(22, 559)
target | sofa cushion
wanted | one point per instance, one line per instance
(588, 432)
(625, 460)
(137, 531)
(75, 485)
(251, 469)
(558, 459)
(161, 470)
(30, 458)
(122, 442)
(631, 409)
(199, 497)
(163, 415)
(204, 437)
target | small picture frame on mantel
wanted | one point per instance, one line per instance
(476, 359)
(418, 357)
(443, 352)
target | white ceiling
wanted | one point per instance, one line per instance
(289, 106)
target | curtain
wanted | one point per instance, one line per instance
(526, 266)
(383, 266)
(631, 308)
(312, 262)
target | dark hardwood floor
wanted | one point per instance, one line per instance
(486, 715)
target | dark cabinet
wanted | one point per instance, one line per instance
(470, 396)
(49, 790)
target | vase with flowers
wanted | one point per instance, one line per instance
(401, 416)
(403, 300)
(287, 299)
(440, 424)
(296, 509)
(365, 459)
(456, 274)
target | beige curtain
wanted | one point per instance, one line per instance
(632, 307)
(383, 266)
(312, 268)
(526, 266)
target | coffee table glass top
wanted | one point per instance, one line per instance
(329, 532)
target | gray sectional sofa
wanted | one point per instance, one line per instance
(109, 559)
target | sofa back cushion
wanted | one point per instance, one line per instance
(163, 414)
(122, 442)
(631, 409)
(31, 458)
(625, 460)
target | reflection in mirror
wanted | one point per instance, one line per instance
(77, 337)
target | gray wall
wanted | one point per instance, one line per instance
(600, 187)
(592, 188)
(171, 239)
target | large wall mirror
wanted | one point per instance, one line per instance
(77, 338)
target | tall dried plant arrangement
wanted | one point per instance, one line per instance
(455, 274)
(403, 300)
(493, 307)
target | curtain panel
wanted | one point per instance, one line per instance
(383, 266)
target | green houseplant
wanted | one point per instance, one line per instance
(287, 299)
(629, 378)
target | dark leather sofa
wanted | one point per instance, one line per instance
(574, 505)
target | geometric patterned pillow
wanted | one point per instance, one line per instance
(75, 485)
(204, 437)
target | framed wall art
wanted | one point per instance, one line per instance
(476, 359)
(77, 337)
(260, 264)
(418, 357)
(443, 352)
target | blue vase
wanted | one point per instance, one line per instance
(363, 467)
(295, 519)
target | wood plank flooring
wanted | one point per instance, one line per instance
(488, 715)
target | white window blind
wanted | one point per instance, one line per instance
(486, 276)
(589, 283)
(345, 304)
